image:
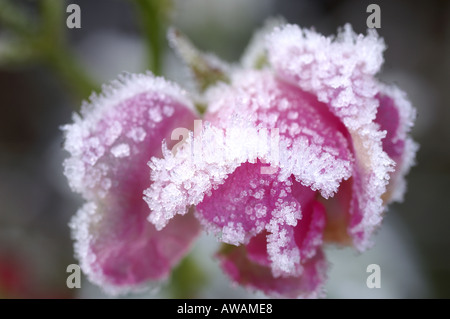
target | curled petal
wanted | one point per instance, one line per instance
(249, 203)
(396, 116)
(313, 144)
(110, 144)
(290, 247)
(339, 71)
(128, 120)
(283, 126)
(370, 178)
(242, 206)
(237, 195)
(309, 231)
(121, 252)
(338, 215)
(243, 270)
(183, 179)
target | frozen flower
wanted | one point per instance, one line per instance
(342, 150)
(300, 147)
(110, 144)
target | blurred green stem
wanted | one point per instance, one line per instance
(12, 17)
(55, 50)
(44, 40)
(63, 62)
(153, 16)
(52, 20)
(186, 279)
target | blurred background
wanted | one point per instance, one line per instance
(46, 70)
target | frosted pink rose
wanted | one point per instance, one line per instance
(340, 137)
(307, 150)
(110, 144)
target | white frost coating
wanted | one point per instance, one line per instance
(168, 194)
(408, 160)
(285, 257)
(219, 152)
(127, 86)
(283, 252)
(233, 233)
(75, 171)
(205, 161)
(121, 150)
(371, 174)
(339, 71)
(407, 114)
(80, 225)
(113, 133)
(168, 110)
(84, 226)
(155, 114)
(302, 151)
(406, 111)
(313, 166)
(88, 146)
(103, 146)
(137, 134)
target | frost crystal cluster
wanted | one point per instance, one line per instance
(299, 146)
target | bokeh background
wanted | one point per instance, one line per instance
(46, 70)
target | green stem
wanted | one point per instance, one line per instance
(153, 15)
(69, 69)
(14, 18)
(56, 53)
(186, 279)
(52, 20)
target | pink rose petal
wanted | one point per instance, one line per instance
(110, 144)
(312, 145)
(340, 72)
(235, 262)
(396, 116)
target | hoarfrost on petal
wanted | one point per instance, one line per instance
(117, 248)
(221, 166)
(370, 178)
(237, 264)
(338, 70)
(121, 150)
(396, 116)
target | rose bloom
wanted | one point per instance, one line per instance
(301, 147)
